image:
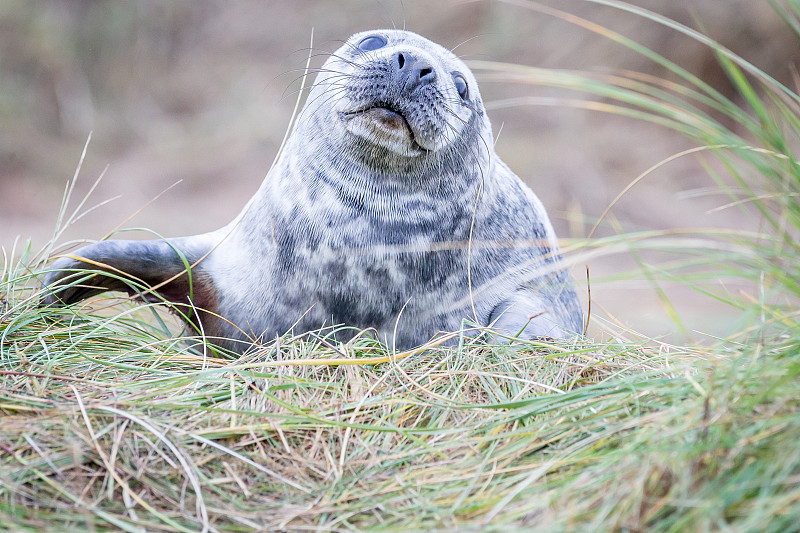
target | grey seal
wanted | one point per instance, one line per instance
(387, 209)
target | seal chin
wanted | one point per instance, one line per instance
(384, 126)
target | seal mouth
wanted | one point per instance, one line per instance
(385, 116)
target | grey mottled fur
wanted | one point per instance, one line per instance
(367, 222)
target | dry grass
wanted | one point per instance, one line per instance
(108, 423)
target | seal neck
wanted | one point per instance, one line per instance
(318, 180)
(442, 177)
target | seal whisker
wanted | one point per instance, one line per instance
(309, 87)
(465, 41)
(298, 91)
(327, 54)
(324, 98)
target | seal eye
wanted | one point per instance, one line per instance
(461, 85)
(373, 42)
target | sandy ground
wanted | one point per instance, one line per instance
(192, 99)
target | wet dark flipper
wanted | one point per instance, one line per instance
(155, 270)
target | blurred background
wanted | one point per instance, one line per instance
(201, 93)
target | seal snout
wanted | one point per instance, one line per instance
(396, 101)
(412, 71)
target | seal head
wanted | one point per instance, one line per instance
(407, 99)
(388, 209)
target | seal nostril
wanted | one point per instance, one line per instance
(411, 70)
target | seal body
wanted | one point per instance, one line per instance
(387, 209)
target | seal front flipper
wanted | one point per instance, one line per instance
(170, 268)
(529, 315)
